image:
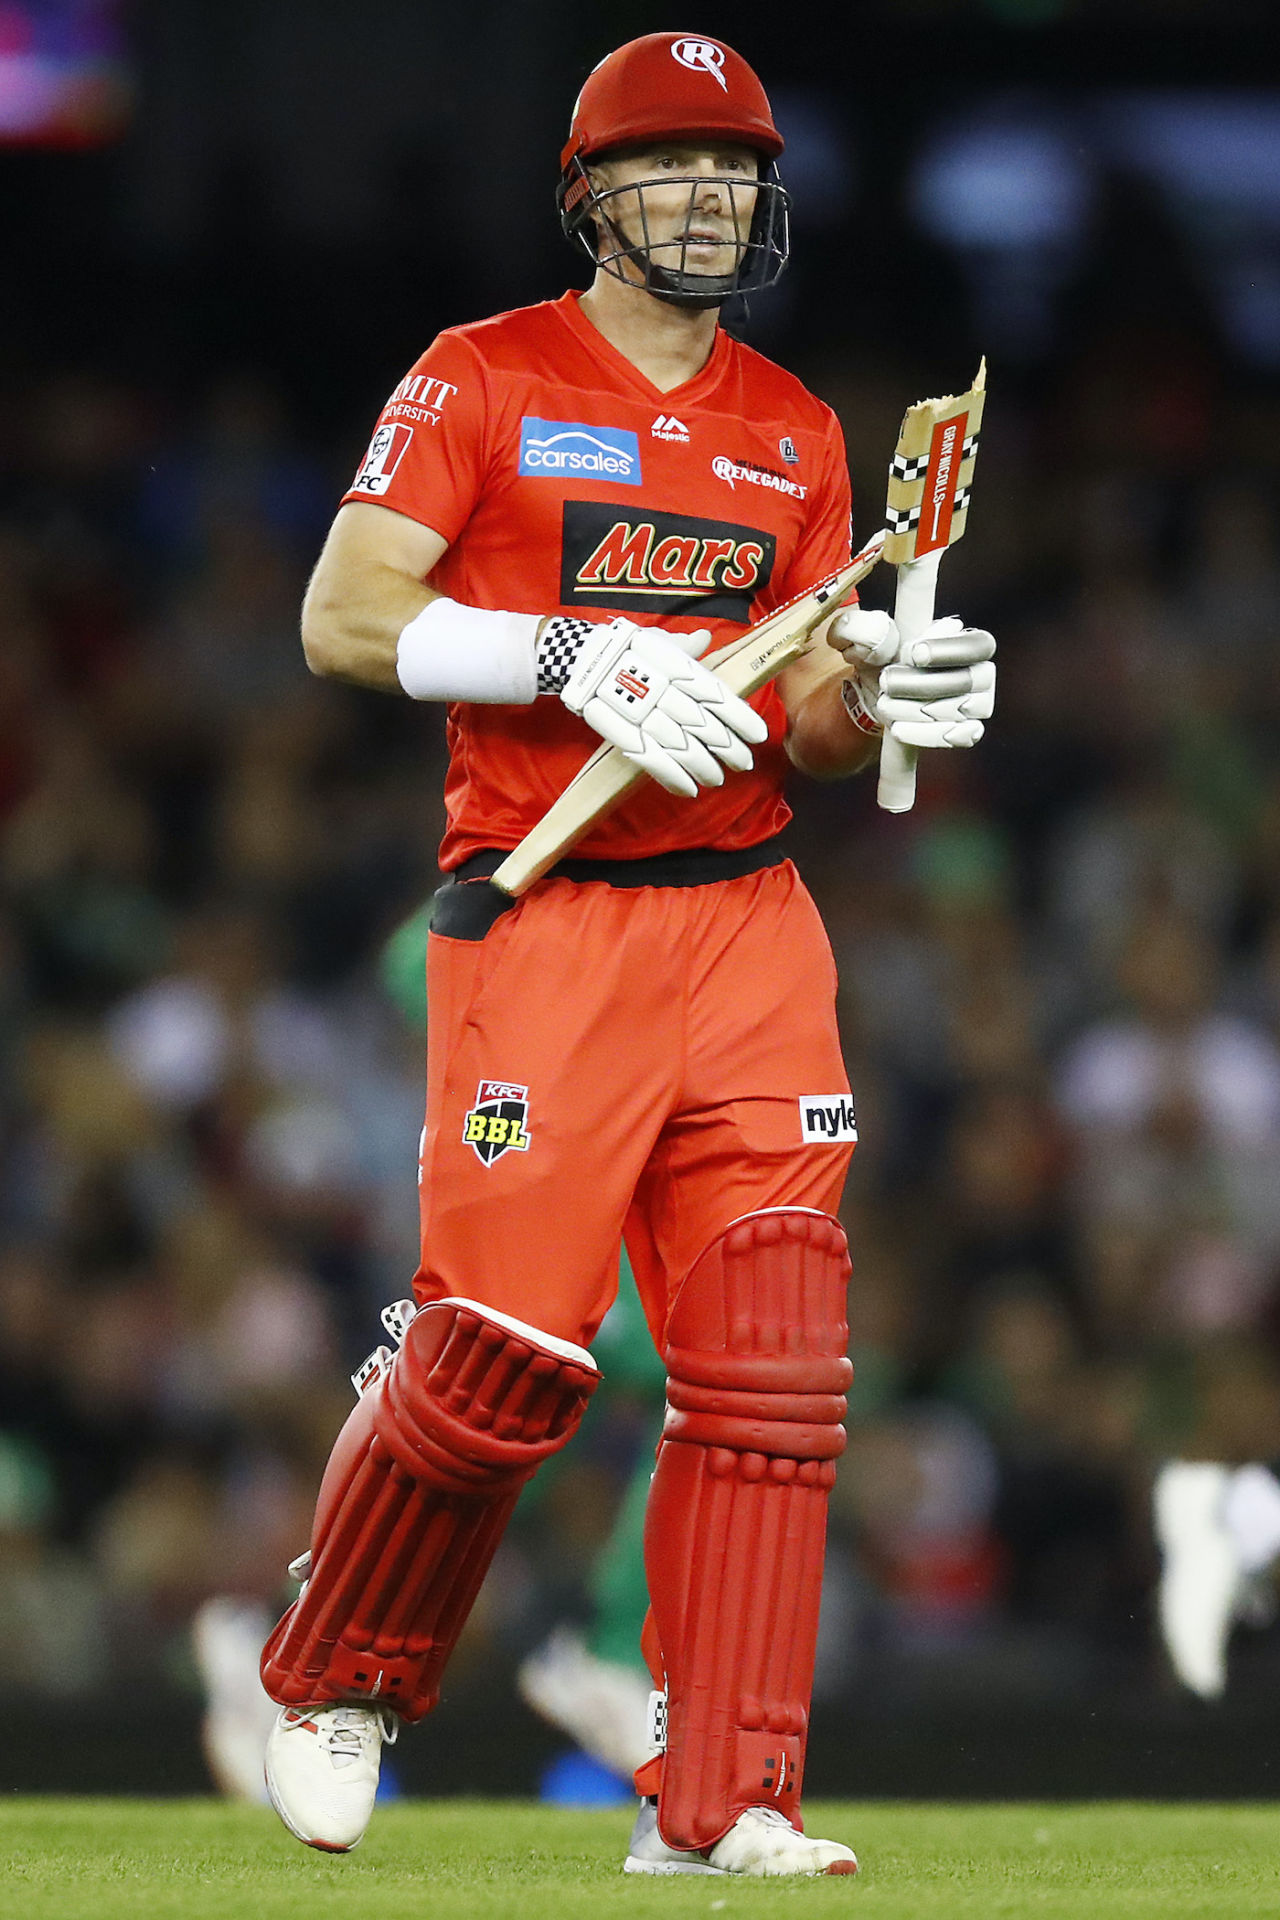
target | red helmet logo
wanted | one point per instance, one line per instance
(701, 53)
(633, 95)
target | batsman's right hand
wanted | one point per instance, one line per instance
(641, 691)
(935, 692)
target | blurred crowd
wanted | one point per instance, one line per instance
(1060, 991)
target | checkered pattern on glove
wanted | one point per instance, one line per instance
(558, 648)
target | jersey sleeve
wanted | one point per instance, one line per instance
(826, 542)
(427, 456)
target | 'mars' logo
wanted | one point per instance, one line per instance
(661, 562)
(499, 1121)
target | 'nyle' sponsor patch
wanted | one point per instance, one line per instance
(499, 1121)
(827, 1117)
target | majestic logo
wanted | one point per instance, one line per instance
(498, 1122)
(386, 450)
(567, 450)
(827, 1117)
(787, 448)
(731, 471)
(702, 55)
(667, 427)
(661, 562)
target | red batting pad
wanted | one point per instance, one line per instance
(413, 1503)
(736, 1526)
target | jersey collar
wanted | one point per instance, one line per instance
(622, 370)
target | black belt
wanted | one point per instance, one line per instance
(465, 910)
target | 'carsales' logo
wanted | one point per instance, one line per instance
(568, 450)
(701, 56)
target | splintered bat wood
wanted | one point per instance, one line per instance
(744, 665)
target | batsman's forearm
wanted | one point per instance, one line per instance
(823, 741)
(351, 633)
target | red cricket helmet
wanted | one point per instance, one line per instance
(672, 85)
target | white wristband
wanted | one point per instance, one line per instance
(452, 652)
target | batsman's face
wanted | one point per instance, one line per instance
(691, 206)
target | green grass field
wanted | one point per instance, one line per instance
(158, 1860)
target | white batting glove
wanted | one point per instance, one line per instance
(640, 690)
(934, 692)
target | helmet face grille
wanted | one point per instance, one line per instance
(593, 217)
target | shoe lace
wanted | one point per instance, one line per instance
(772, 1817)
(350, 1729)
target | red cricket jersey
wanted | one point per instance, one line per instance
(565, 482)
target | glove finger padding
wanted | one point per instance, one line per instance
(673, 757)
(684, 747)
(936, 731)
(690, 677)
(911, 698)
(865, 636)
(693, 644)
(948, 643)
(642, 692)
(926, 685)
(923, 719)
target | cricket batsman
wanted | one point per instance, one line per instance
(561, 509)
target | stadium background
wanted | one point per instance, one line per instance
(217, 265)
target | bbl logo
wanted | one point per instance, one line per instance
(497, 1122)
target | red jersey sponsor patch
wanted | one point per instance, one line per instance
(660, 551)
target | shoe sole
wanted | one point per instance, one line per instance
(321, 1846)
(632, 1865)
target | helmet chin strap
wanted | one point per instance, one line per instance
(673, 289)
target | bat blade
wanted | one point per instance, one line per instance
(744, 664)
(931, 473)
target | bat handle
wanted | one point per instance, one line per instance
(912, 612)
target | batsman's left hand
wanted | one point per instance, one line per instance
(934, 691)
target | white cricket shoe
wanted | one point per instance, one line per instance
(1202, 1579)
(227, 1637)
(322, 1770)
(760, 1842)
(601, 1705)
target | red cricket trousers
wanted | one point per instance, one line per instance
(639, 1062)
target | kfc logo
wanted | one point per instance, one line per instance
(386, 450)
